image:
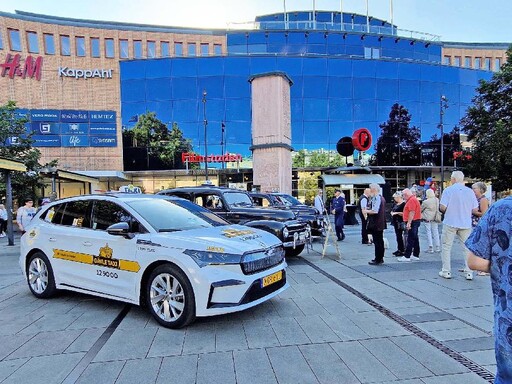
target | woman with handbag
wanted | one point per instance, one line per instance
(431, 217)
(397, 220)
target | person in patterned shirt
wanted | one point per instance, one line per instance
(491, 251)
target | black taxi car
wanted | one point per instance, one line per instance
(236, 207)
(287, 202)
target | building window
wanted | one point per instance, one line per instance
(487, 64)
(33, 44)
(191, 49)
(151, 49)
(371, 53)
(467, 61)
(109, 48)
(137, 49)
(123, 49)
(447, 60)
(164, 49)
(178, 49)
(14, 39)
(456, 61)
(497, 64)
(1, 41)
(65, 46)
(80, 46)
(217, 49)
(478, 62)
(95, 47)
(205, 49)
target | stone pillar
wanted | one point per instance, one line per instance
(271, 132)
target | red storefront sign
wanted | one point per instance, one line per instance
(362, 139)
(12, 67)
(194, 158)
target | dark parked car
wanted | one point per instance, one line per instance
(285, 201)
(237, 207)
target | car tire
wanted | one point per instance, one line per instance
(291, 252)
(170, 297)
(40, 276)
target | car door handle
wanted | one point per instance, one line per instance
(87, 243)
(52, 239)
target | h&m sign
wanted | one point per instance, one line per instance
(12, 67)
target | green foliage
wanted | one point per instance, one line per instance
(398, 144)
(166, 144)
(24, 184)
(317, 159)
(299, 160)
(488, 125)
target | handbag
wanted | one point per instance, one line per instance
(438, 218)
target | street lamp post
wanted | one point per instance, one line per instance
(205, 122)
(443, 107)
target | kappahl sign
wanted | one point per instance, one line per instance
(79, 73)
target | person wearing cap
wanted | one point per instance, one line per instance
(338, 210)
(25, 214)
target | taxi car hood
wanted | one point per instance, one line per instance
(235, 239)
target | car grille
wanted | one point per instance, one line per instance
(259, 261)
(298, 228)
(255, 292)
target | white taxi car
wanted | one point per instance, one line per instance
(178, 259)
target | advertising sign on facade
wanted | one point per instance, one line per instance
(46, 141)
(74, 128)
(75, 140)
(74, 116)
(44, 115)
(12, 67)
(103, 141)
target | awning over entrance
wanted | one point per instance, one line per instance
(353, 179)
(12, 165)
(72, 176)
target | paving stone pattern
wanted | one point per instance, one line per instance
(315, 332)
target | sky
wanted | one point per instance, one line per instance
(453, 20)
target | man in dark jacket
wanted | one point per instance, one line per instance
(376, 212)
(338, 210)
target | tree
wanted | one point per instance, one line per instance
(488, 124)
(398, 144)
(16, 144)
(451, 145)
(167, 145)
(299, 159)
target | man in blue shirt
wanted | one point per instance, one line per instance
(491, 251)
(338, 210)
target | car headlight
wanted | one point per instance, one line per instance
(285, 232)
(204, 258)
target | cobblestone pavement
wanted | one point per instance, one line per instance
(341, 321)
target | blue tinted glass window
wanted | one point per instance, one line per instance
(364, 88)
(211, 66)
(158, 69)
(236, 87)
(151, 49)
(65, 48)
(215, 109)
(429, 112)
(205, 49)
(184, 67)
(477, 63)
(49, 44)
(14, 39)
(364, 109)
(164, 49)
(340, 87)
(315, 86)
(33, 43)
(429, 91)
(158, 89)
(133, 91)
(80, 46)
(109, 48)
(257, 48)
(409, 90)
(238, 109)
(137, 49)
(123, 49)
(186, 111)
(213, 85)
(178, 49)
(184, 87)
(386, 70)
(296, 109)
(162, 110)
(217, 49)
(340, 109)
(1, 41)
(387, 89)
(263, 64)
(316, 132)
(340, 67)
(409, 71)
(237, 66)
(132, 69)
(95, 47)
(315, 66)
(257, 38)
(364, 68)
(315, 109)
(191, 49)
(291, 65)
(430, 72)
(296, 38)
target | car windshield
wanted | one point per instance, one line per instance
(238, 199)
(175, 215)
(290, 200)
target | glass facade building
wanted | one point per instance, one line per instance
(342, 80)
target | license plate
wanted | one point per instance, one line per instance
(271, 279)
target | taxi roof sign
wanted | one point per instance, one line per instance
(130, 189)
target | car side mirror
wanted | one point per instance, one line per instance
(120, 229)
